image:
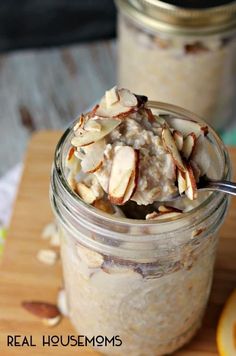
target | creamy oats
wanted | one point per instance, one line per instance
(195, 73)
(140, 306)
(126, 152)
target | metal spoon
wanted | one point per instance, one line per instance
(206, 183)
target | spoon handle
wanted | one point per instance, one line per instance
(222, 186)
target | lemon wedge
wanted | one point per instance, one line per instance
(226, 330)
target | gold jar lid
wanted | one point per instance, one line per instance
(184, 18)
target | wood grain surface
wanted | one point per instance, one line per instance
(46, 89)
(22, 277)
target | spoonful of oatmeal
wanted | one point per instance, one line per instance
(121, 151)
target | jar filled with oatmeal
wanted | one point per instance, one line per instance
(183, 54)
(141, 284)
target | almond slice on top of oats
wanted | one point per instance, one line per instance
(135, 154)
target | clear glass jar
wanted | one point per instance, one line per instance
(145, 282)
(186, 57)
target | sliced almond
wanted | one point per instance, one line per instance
(62, 302)
(152, 216)
(120, 270)
(104, 205)
(52, 321)
(89, 137)
(92, 125)
(91, 258)
(170, 146)
(72, 162)
(131, 188)
(93, 156)
(168, 209)
(55, 240)
(80, 123)
(133, 182)
(85, 193)
(197, 232)
(71, 180)
(70, 153)
(41, 309)
(78, 154)
(127, 103)
(112, 96)
(182, 184)
(168, 215)
(115, 111)
(188, 146)
(49, 230)
(123, 175)
(170, 167)
(179, 139)
(191, 191)
(92, 113)
(186, 126)
(161, 216)
(48, 257)
(127, 98)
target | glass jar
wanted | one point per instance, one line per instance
(184, 56)
(145, 283)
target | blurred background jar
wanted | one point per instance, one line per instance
(182, 53)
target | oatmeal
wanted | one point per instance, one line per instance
(126, 152)
(135, 265)
(187, 69)
(137, 301)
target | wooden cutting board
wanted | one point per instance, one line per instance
(22, 277)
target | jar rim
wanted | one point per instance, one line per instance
(173, 19)
(213, 198)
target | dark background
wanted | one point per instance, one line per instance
(43, 23)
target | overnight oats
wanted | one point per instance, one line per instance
(183, 56)
(138, 264)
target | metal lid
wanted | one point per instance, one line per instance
(188, 17)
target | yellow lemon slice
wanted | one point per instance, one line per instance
(226, 330)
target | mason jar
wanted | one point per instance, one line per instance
(138, 287)
(182, 54)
